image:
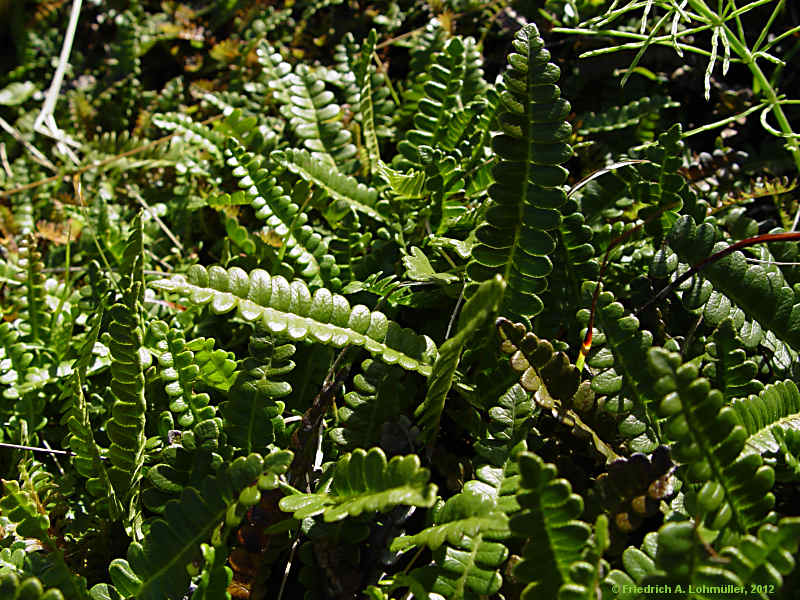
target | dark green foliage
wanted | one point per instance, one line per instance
(337, 300)
(759, 290)
(735, 490)
(549, 520)
(527, 193)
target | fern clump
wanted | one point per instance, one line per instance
(315, 302)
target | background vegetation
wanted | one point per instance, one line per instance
(396, 299)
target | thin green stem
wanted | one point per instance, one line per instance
(769, 92)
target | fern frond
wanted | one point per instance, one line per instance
(180, 369)
(31, 521)
(444, 95)
(342, 189)
(730, 371)
(365, 482)
(618, 345)
(156, 568)
(289, 308)
(478, 309)
(777, 405)
(11, 588)
(466, 514)
(556, 539)
(125, 428)
(527, 192)
(381, 395)
(709, 440)
(193, 132)
(305, 249)
(467, 556)
(362, 98)
(253, 407)
(632, 489)
(316, 119)
(759, 290)
(765, 558)
(541, 368)
(622, 117)
(34, 315)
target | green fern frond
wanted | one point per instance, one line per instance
(305, 249)
(764, 559)
(444, 95)
(31, 521)
(618, 344)
(777, 405)
(342, 189)
(125, 428)
(35, 314)
(365, 482)
(289, 308)
(11, 588)
(370, 105)
(316, 119)
(709, 441)
(430, 42)
(759, 290)
(253, 408)
(181, 369)
(156, 568)
(469, 513)
(380, 396)
(467, 565)
(193, 132)
(731, 372)
(658, 186)
(478, 309)
(622, 117)
(527, 192)
(548, 520)
(674, 556)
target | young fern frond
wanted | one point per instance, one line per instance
(126, 426)
(527, 193)
(34, 315)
